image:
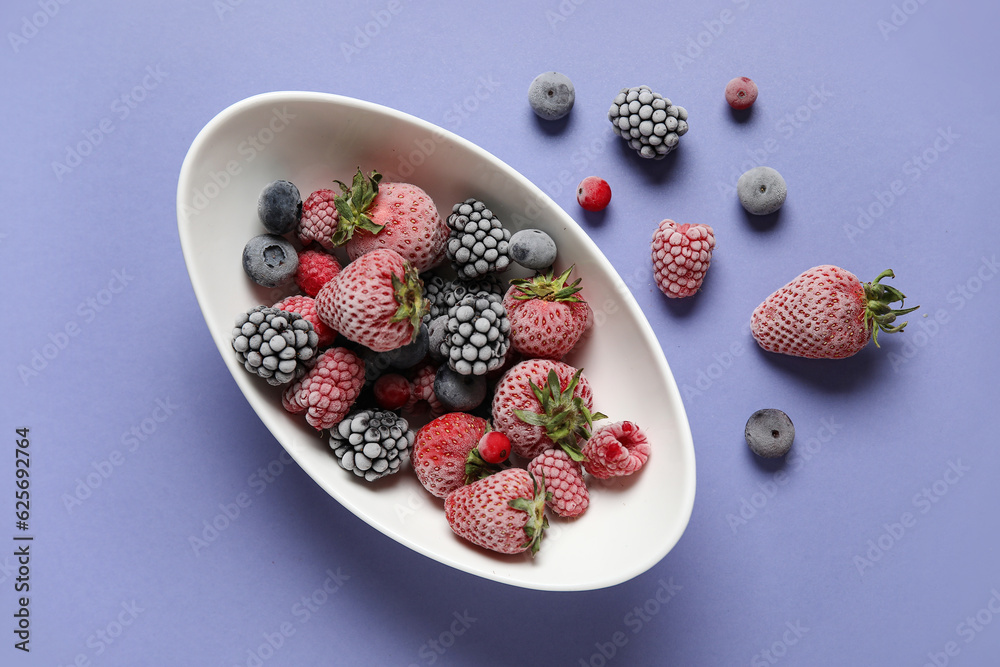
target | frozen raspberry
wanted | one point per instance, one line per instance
(564, 480)
(306, 307)
(616, 450)
(423, 395)
(327, 392)
(681, 256)
(319, 219)
(316, 268)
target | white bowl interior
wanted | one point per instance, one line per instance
(312, 139)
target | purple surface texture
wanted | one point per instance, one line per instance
(875, 544)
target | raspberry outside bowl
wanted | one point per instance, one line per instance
(312, 139)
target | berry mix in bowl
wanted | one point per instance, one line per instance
(421, 341)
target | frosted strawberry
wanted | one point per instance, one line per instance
(616, 450)
(441, 449)
(376, 301)
(547, 316)
(540, 404)
(563, 481)
(397, 216)
(504, 512)
(681, 256)
(827, 313)
(327, 392)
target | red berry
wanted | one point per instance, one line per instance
(594, 193)
(741, 93)
(392, 391)
(494, 447)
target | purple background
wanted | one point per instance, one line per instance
(854, 97)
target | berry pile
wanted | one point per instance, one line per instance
(388, 338)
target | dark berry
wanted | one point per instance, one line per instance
(477, 243)
(459, 392)
(647, 121)
(270, 260)
(279, 207)
(274, 344)
(761, 190)
(551, 95)
(769, 433)
(372, 443)
(533, 249)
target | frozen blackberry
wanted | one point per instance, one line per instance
(443, 294)
(274, 344)
(478, 243)
(372, 443)
(478, 334)
(647, 121)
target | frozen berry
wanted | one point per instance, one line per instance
(316, 268)
(594, 193)
(650, 123)
(319, 218)
(410, 354)
(392, 391)
(532, 249)
(270, 260)
(681, 256)
(280, 207)
(494, 447)
(761, 190)
(741, 93)
(459, 392)
(551, 95)
(769, 433)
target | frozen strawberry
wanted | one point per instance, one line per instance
(504, 512)
(827, 313)
(547, 316)
(375, 301)
(441, 449)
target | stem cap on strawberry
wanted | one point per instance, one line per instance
(352, 207)
(564, 416)
(879, 314)
(547, 287)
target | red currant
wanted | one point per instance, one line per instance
(594, 193)
(392, 391)
(741, 93)
(494, 447)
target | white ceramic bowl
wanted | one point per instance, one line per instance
(312, 139)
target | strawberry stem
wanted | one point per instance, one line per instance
(879, 313)
(548, 287)
(565, 417)
(408, 292)
(535, 507)
(352, 207)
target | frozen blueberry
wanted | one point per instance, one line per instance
(532, 249)
(279, 207)
(761, 190)
(411, 354)
(551, 95)
(270, 260)
(769, 433)
(459, 392)
(437, 331)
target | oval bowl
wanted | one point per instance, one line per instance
(312, 139)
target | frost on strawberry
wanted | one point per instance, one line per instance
(504, 512)
(394, 216)
(827, 313)
(376, 301)
(547, 315)
(441, 451)
(541, 404)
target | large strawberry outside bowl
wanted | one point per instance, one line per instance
(312, 139)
